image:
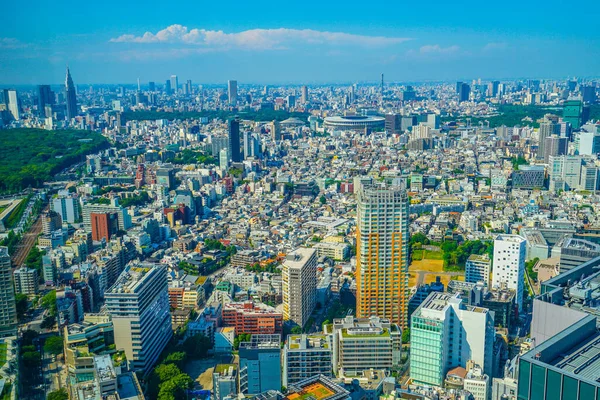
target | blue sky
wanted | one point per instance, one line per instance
(297, 42)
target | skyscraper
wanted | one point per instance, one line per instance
(304, 95)
(151, 86)
(138, 303)
(234, 140)
(555, 146)
(299, 287)
(11, 100)
(547, 129)
(168, 87)
(8, 310)
(465, 91)
(232, 92)
(509, 264)
(45, 98)
(382, 253)
(71, 96)
(174, 84)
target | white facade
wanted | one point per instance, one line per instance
(67, 207)
(509, 264)
(477, 269)
(565, 172)
(478, 384)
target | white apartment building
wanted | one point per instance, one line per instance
(477, 269)
(509, 264)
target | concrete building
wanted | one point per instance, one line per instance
(446, 333)
(260, 364)
(564, 367)
(575, 252)
(8, 309)
(382, 253)
(305, 356)
(26, 281)
(225, 381)
(360, 344)
(477, 269)
(67, 207)
(254, 318)
(529, 177)
(299, 277)
(477, 383)
(232, 94)
(509, 265)
(138, 303)
(565, 172)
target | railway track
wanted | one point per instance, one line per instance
(26, 243)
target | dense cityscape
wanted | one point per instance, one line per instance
(384, 240)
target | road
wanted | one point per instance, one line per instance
(26, 243)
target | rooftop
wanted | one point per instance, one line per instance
(129, 279)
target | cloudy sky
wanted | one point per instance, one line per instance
(305, 41)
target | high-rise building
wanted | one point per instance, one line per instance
(588, 94)
(260, 364)
(8, 309)
(573, 113)
(382, 253)
(71, 96)
(509, 264)
(565, 172)
(45, 97)
(445, 333)
(275, 131)
(26, 280)
(51, 221)
(232, 92)
(305, 356)
(234, 140)
(393, 123)
(67, 207)
(11, 101)
(299, 288)
(168, 86)
(138, 303)
(225, 381)
(151, 86)
(174, 84)
(589, 141)
(304, 95)
(555, 146)
(464, 93)
(104, 225)
(360, 344)
(547, 129)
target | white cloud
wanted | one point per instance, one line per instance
(257, 39)
(437, 49)
(495, 46)
(11, 43)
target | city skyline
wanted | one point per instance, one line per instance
(309, 43)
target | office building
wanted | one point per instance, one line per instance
(67, 207)
(509, 265)
(574, 252)
(11, 102)
(590, 177)
(299, 277)
(573, 113)
(477, 269)
(70, 96)
(445, 333)
(589, 141)
(393, 123)
(464, 92)
(234, 140)
(168, 89)
(123, 218)
(138, 303)
(26, 281)
(276, 131)
(547, 128)
(254, 318)
(529, 177)
(260, 364)
(232, 92)
(361, 344)
(8, 310)
(45, 97)
(565, 172)
(174, 84)
(382, 253)
(104, 225)
(225, 381)
(51, 221)
(305, 356)
(304, 95)
(564, 367)
(555, 146)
